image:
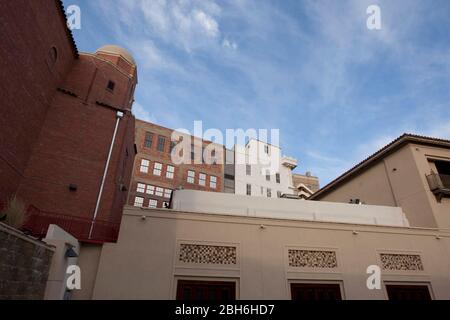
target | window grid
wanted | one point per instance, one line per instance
(191, 176)
(140, 187)
(152, 203)
(170, 172)
(202, 179)
(161, 143)
(148, 140)
(144, 166)
(213, 182)
(157, 169)
(159, 192)
(138, 201)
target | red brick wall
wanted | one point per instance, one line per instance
(74, 142)
(180, 178)
(28, 80)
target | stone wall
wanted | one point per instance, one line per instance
(24, 265)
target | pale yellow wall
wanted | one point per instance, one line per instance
(144, 263)
(394, 181)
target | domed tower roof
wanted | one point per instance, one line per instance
(116, 50)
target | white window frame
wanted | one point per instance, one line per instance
(170, 172)
(150, 190)
(140, 187)
(159, 192)
(248, 169)
(202, 179)
(145, 164)
(269, 193)
(167, 193)
(191, 176)
(213, 182)
(157, 169)
(152, 203)
(138, 202)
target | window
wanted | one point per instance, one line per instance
(279, 194)
(165, 204)
(248, 170)
(277, 177)
(229, 176)
(144, 165)
(191, 176)
(157, 169)
(213, 182)
(408, 292)
(316, 291)
(138, 202)
(148, 140)
(153, 203)
(202, 179)
(161, 143)
(167, 193)
(269, 193)
(266, 149)
(206, 290)
(262, 190)
(150, 189)
(249, 189)
(170, 172)
(267, 175)
(111, 85)
(140, 187)
(159, 192)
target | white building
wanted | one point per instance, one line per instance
(261, 170)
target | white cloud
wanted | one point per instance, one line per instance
(209, 25)
(142, 113)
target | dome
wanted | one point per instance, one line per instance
(118, 51)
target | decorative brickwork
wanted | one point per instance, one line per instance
(207, 254)
(407, 262)
(312, 259)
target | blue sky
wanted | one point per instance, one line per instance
(336, 90)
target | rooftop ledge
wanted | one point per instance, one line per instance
(304, 210)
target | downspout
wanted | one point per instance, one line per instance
(119, 116)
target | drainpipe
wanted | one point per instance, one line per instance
(119, 116)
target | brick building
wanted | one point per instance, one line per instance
(66, 131)
(156, 175)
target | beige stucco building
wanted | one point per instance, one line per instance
(412, 172)
(216, 245)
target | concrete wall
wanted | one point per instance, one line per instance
(147, 261)
(24, 265)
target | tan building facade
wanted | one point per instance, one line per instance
(250, 251)
(305, 184)
(412, 173)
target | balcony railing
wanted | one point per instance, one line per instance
(439, 184)
(84, 229)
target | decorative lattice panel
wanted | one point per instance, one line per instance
(408, 262)
(208, 254)
(312, 259)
